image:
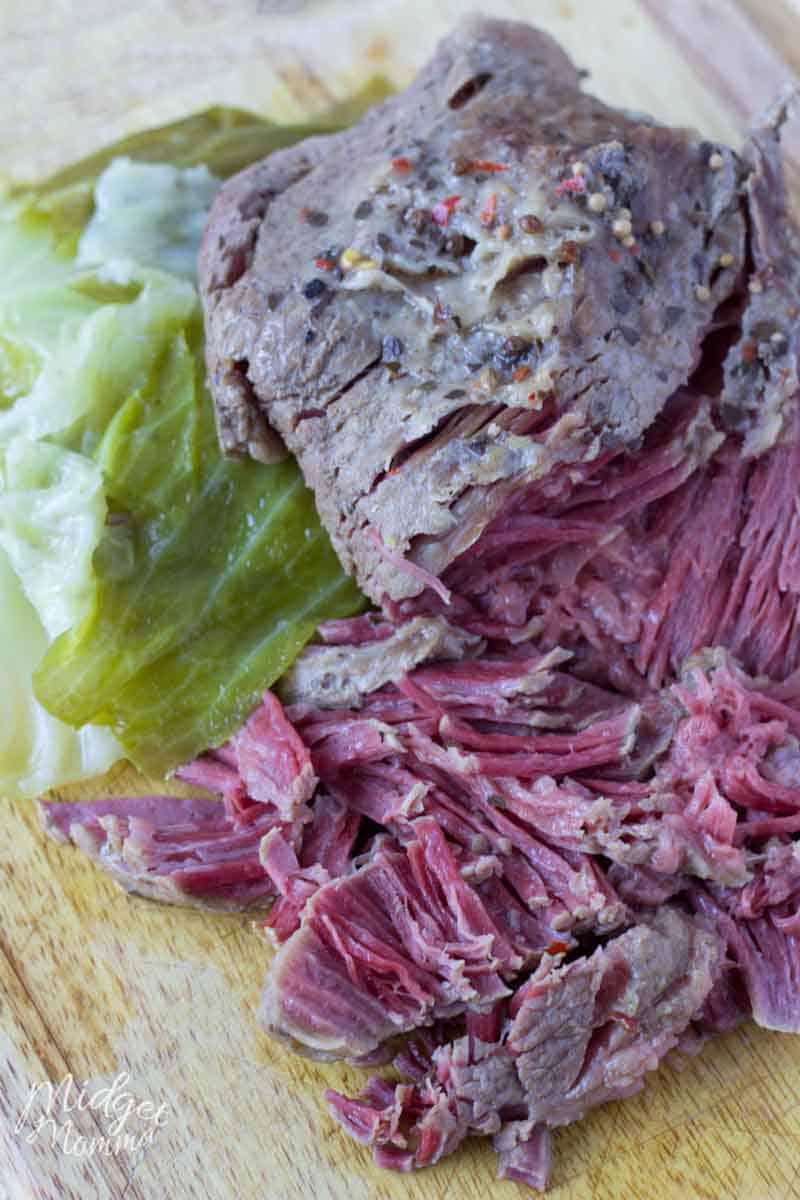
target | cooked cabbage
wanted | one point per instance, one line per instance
(149, 588)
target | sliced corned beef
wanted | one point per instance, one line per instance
(341, 673)
(402, 941)
(185, 851)
(272, 761)
(576, 1035)
(766, 950)
(549, 795)
(524, 1154)
(519, 816)
(197, 850)
(637, 562)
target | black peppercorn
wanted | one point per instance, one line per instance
(314, 288)
(514, 347)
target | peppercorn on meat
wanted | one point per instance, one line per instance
(491, 275)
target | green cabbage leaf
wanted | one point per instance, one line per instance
(210, 576)
(150, 589)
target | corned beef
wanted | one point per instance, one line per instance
(536, 823)
(575, 1035)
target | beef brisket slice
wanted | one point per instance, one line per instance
(177, 850)
(389, 948)
(576, 1035)
(492, 273)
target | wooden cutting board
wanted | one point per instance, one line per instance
(95, 984)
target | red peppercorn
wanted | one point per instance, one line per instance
(443, 211)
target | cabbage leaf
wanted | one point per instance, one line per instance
(36, 750)
(150, 589)
(52, 513)
(152, 214)
(212, 575)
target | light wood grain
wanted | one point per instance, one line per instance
(94, 982)
(724, 43)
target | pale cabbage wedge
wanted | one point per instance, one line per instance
(148, 213)
(52, 513)
(151, 588)
(36, 750)
(38, 309)
(94, 364)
